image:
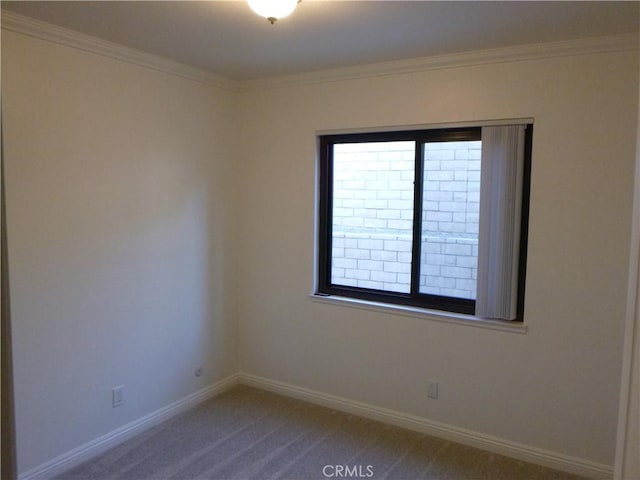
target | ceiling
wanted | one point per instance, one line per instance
(227, 38)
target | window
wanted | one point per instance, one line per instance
(429, 218)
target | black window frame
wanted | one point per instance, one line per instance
(414, 297)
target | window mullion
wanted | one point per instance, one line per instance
(417, 218)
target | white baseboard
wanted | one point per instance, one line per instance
(500, 446)
(101, 444)
(497, 445)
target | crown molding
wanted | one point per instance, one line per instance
(46, 31)
(70, 38)
(606, 44)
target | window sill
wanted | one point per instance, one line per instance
(432, 315)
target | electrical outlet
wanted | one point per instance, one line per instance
(432, 390)
(117, 396)
(198, 371)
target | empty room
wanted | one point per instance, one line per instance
(337, 239)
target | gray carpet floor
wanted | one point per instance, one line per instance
(247, 433)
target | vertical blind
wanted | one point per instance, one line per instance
(500, 217)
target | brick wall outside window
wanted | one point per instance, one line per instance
(373, 214)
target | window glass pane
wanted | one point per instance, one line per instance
(451, 201)
(373, 215)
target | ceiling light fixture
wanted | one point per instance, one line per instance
(273, 10)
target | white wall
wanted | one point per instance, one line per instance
(554, 388)
(627, 459)
(117, 181)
